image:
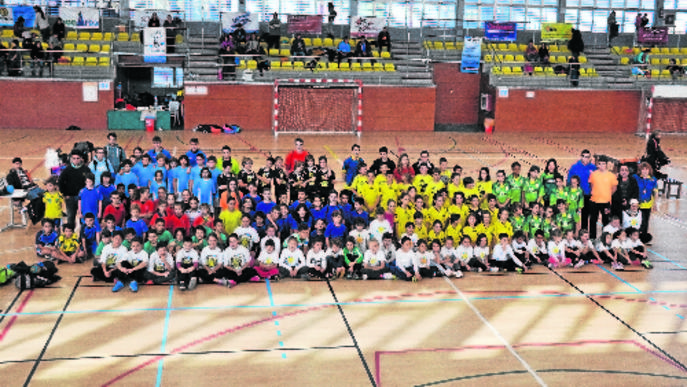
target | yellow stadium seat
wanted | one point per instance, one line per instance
(44, 46)
(317, 42)
(519, 58)
(91, 61)
(375, 53)
(345, 66)
(512, 47)
(298, 65)
(655, 61)
(583, 59)
(321, 66)
(135, 37)
(553, 49)
(97, 36)
(81, 48)
(328, 42)
(104, 61)
(538, 70)
(386, 54)
(332, 66)
(655, 50)
(105, 48)
(665, 74)
(69, 47)
(179, 39)
(389, 67)
(72, 35)
(655, 73)
(496, 70)
(499, 58)
(509, 58)
(64, 61)
(284, 52)
(94, 48)
(78, 61)
(307, 41)
(252, 65)
(683, 51)
(275, 65)
(665, 61)
(242, 64)
(378, 67)
(624, 60)
(450, 46)
(583, 72)
(522, 47)
(517, 70)
(84, 35)
(674, 50)
(8, 33)
(665, 50)
(367, 66)
(507, 71)
(286, 65)
(122, 37)
(109, 36)
(488, 58)
(355, 66)
(337, 41)
(438, 45)
(274, 52)
(502, 47)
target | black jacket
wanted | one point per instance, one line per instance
(72, 180)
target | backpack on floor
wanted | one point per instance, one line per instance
(6, 274)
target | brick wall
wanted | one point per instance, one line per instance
(670, 115)
(457, 101)
(568, 111)
(48, 104)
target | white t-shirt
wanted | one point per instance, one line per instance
(425, 259)
(519, 247)
(292, 259)
(211, 257)
(187, 258)
(135, 258)
(406, 259)
(374, 259)
(266, 258)
(464, 253)
(157, 263)
(502, 254)
(535, 248)
(617, 245)
(572, 244)
(247, 236)
(556, 249)
(632, 244)
(277, 244)
(587, 245)
(110, 255)
(389, 253)
(601, 247)
(236, 258)
(610, 229)
(632, 221)
(317, 259)
(448, 252)
(361, 238)
(481, 253)
(378, 229)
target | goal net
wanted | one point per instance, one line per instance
(317, 106)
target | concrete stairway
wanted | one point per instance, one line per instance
(607, 66)
(203, 60)
(411, 63)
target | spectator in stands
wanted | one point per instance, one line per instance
(239, 35)
(37, 56)
(612, 27)
(170, 32)
(645, 20)
(343, 50)
(576, 44)
(42, 23)
(14, 67)
(274, 32)
(574, 70)
(638, 22)
(227, 47)
(154, 20)
(383, 39)
(298, 46)
(544, 54)
(54, 44)
(59, 29)
(676, 71)
(253, 44)
(531, 52)
(642, 63)
(363, 49)
(19, 27)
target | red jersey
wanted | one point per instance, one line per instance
(293, 157)
(179, 222)
(117, 212)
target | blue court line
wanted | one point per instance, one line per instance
(158, 381)
(666, 258)
(620, 279)
(387, 302)
(274, 313)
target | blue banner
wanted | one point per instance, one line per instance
(472, 54)
(27, 12)
(502, 32)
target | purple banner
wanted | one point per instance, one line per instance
(653, 35)
(304, 24)
(504, 32)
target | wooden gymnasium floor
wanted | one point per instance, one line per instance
(570, 327)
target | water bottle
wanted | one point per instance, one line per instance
(119, 90)
(156, 102)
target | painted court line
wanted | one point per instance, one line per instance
(496, 333)
(163, 346)
(274, 314)
(13, 319)
(667, 259)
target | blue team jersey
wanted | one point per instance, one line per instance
(350, 166)
(139, 226)
(89, 201)
(89, 234)
(192, 157)
(204, 190)
(105, 193)
(155, 186)
(145, 174)
(265, 207)
(126, 179)
(333, 231)
(319, 214)
(46, 240)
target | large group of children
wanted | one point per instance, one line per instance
(153, 219)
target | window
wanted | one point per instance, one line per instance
(680, 16)
(592, 15)
(435, 14)
(529, 13)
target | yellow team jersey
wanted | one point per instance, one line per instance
(441, 236)
(432, 188)
(471, 232)
(488, 231)
(68, 245)
(503, 228)
(370, 196)
(357, 181)
(421, 231)
(468, 192)
(484, 187)
(53, 205)
(454, 232)
(230, 220)
(401, 188)
(494, 212)
(386, 193)
(401, 217)
(379, 180)
(453, 189)
(421, 182)
(462, 210)
(433, 215)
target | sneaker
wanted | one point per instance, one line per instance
(579, 264)
(304, 276)
(494, 269)
(349, 276)
(620, 267)
(275, 278)
(182, 287)
(133, 285)
(231, 283)
(414, 279)
(388, 276)
(479, 270)
(192, 283)
(647, 264)
(518, 270)
(150, 282)
(364, 276)
(458, 274)
(117, 286)
(357, 277)
(223, 282)
(255, 279)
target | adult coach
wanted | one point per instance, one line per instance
(71, 181)
(603, 184)
(298, 154)
(582, 169)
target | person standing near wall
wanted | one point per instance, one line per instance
(71, 181)
(612, 27)
(274, 32)
(603, 184)
(582, 169)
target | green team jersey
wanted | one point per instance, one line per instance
(533, 190)
(149, 247)
(547, 225)
(532, 224)
(99, 250)
(518, 223)
(165, 236)
(558, 194)
(575, 199)
(515, 184)
(202, 244)
(501, 191)
(549, 181)
(566, 221)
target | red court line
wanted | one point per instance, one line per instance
(378, 354)
(14, 318)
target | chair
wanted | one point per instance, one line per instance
(91, 61)
(274, 52)
(78, 61)
(552, 49)
(538, 70)
(502, 47)
(242, 64)
(367, 66)
(509, 58)
(665, 61)
(355, 66)
(519, 58)
(105, 48)
(450, 45)
(97, 36)
(507, 70)
(488, 58)
(84, 35)
(69, 47)
(665, 74)
(252, 65)
(665, 50)
(136, 37)
(655, 61)
(496, 70)
(94, 48)
(72, 35)
(583, 72)
(378, 67)
(317, 42)
(104, 61)
(655, 50)
(389, 67)
(583, 59)
(81, 47)
(307, 41)
(517, 70)
(298, 65)
(284, 52)
(109, 36)
(122, 37)
(64, 61)
(286, 65)
(513, 47)
(375, 54)
(333, 66)
(499, 58)
(7, 33)
(275, 65)
(328, 42)
(386, 55)
(655, 73)
(337, 41)
(321, 66)
(683, 51)
(675, 50)
(179, 39)
(438, 45)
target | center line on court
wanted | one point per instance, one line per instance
(496, 333)
(274, 313)
(158, 381)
